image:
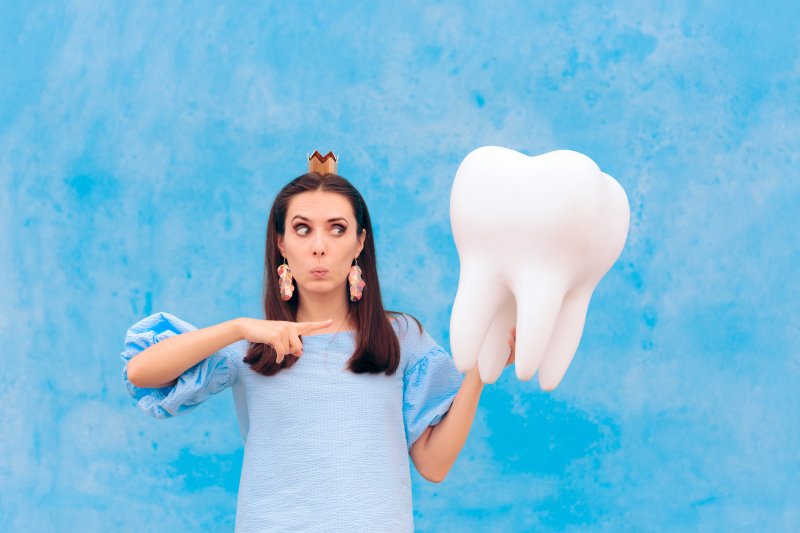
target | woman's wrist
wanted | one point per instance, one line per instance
(236, 326)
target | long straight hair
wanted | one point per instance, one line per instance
(377, 348)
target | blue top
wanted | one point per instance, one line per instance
(324, 449)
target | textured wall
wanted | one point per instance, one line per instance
(142, 144)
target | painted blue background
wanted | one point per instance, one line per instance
(141, 146)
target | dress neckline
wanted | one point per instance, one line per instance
(337, 332)
(327, 334)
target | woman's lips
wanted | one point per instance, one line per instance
(319, 273)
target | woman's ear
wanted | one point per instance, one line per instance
(280, 245)
(361, 240)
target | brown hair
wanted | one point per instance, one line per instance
(377, 348)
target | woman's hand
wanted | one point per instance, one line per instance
(283, 336)
(513, 343)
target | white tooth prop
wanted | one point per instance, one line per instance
(534, 234)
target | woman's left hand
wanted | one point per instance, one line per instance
(513, 343)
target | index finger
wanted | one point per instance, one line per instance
(303, 327)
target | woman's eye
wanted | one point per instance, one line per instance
(303, 226)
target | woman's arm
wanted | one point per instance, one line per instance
(436, 454)
(162, 363)
(440, 449)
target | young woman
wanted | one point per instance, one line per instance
(333, 393)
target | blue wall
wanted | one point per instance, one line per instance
(142, 144)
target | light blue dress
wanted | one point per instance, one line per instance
(324, 449)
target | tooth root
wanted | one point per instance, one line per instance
(539, 299)
(496, 350)
(565, 339)
(470, 323)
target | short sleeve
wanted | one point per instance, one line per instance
(430, 383)
(195, 385)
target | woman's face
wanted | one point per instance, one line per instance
(320, 231)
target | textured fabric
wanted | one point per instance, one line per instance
(207, 377)
(325, 449)
(429, 384)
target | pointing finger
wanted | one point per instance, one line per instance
(304, 327)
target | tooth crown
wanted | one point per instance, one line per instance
(534, 237)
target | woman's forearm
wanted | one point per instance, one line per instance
(162, 363)
(449, 435)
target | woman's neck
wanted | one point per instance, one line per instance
(318, 307)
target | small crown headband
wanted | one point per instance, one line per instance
(324, 164)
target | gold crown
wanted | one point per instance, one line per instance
(324, 164)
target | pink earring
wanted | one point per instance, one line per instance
(285, 283)
(356, 283)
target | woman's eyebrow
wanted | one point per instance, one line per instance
(329, 220)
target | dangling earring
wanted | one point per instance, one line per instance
(356, 283)
(285, 283)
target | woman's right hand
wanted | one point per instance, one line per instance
(283, 336)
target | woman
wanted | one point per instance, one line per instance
(333, 393)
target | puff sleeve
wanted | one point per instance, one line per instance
(195, 385)
(430, 383)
